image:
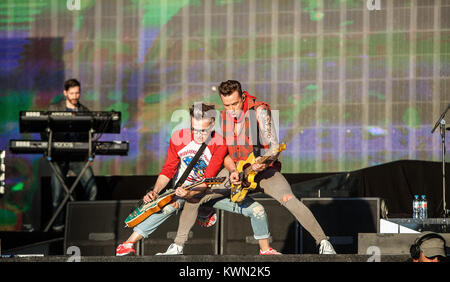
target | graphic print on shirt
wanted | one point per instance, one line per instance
(186, 155)
(198, 171)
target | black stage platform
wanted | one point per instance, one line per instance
(214, 267)
(215, 258)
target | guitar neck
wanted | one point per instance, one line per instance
(185, 188)
(207, 181)
(263, 160)
(193, 185)
(267, 159)
(168, 193)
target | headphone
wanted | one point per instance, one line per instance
(415, 248)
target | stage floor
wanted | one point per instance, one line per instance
(215, 258)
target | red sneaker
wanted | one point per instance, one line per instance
(125, 249)
(270, 251)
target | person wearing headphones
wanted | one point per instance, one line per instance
(428, 248)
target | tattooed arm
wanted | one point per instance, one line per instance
(267, 130)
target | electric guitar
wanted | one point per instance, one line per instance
(247, 174)
(144, 210)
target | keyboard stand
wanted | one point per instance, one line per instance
(70, 190)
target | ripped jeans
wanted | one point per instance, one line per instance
(248, 207)
(150, 224)
(270, 182)
(219, 197)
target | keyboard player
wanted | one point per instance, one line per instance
(71, 102)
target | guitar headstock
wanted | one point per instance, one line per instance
(281, 147)
(214, 180)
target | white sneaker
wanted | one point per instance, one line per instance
(173, 249)
(326, 248)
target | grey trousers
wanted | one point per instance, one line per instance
(270, 182)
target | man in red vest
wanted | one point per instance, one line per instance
(237, 130)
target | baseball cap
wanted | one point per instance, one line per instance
(433, 247)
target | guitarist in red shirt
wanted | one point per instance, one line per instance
(242, 112)
(183, 146)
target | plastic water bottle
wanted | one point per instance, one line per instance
(416, 206)
(424, 206)
(420, 211)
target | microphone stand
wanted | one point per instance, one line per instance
(441, 123)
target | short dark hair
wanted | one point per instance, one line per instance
(202, 111)
(71, 83)
(228, 87)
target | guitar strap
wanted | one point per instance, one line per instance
(254, 120)
(187, 171)
(193, 162)
(189, 168)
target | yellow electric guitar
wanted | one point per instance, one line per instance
(247, 174)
